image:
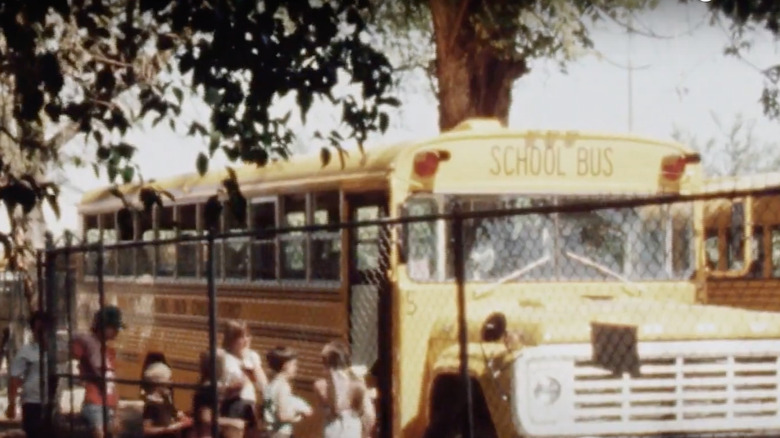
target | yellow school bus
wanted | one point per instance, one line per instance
(743, 261)
(548, 295)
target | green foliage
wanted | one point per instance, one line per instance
(68, 62)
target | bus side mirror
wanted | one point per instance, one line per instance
(494, 327)
(740, 238)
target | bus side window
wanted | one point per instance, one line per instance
(368, 242)
(711, 248)
(187, 251)
(263, 214)
(757, 265)
(109, 234)
(235, 249)
(91, 235)
(293, 250)
(166, 254)
(421, 239)
(144, 255)
(775, 249)
(326, 244)
(126, 227)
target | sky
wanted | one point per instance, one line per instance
(680, 77)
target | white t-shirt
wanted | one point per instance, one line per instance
(234, 370)
(26, 366)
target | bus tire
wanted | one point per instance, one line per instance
(448, 409)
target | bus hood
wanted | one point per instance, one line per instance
(575, 320)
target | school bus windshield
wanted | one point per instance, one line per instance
(627, 244)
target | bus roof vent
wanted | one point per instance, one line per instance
(481, 124)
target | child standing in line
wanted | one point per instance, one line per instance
(25, 374)
(160, 417)
(348, 410)
(281, 409)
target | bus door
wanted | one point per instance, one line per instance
(369, 291)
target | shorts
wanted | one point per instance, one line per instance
(239, 408)
(93, 415)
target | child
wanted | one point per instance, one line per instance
(280, 407)
(242, 375)
(203, 415)
(160, 418)
(348, 411)
(86, 348)
(25, 375)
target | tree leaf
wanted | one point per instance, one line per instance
(127, 174)
(214, 142)
(202, 164)
(179, 94)
(304, 100)
(54, 204)
(212, 211)
(324, 156)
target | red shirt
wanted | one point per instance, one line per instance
(86, 348)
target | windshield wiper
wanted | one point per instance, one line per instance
(604, 269)
(512, 276)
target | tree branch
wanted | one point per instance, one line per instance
(4, 130)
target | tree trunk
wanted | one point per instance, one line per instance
(474, 80)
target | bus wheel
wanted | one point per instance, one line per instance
(448, 410)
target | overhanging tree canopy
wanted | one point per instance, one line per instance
(66, 62)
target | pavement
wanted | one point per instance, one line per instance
(129, 414)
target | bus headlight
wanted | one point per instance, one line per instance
(546, 390)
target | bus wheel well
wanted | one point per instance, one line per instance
(447, 405)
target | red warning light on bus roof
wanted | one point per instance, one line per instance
(673, 167)
(427, 163)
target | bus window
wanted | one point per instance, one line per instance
(326, 244)
(757, 264)
(264, 245)
(368, 243)
(421, 240)
(293, 253)
(126, 227)
(711, 248)
(683, 255)
(108, 228)
(144, 255)
(775, 248)
(166, 254)
(187, 252)
(235, 249)
(734, 250)
(91, 235)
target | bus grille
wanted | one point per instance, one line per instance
(679, 389)
(683, 387)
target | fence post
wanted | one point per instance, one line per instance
(212, 297)
(69, 296)
(48, 372)
(460, 279)
(102, 305)
(39, 260)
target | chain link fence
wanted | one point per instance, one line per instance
(468, 316)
